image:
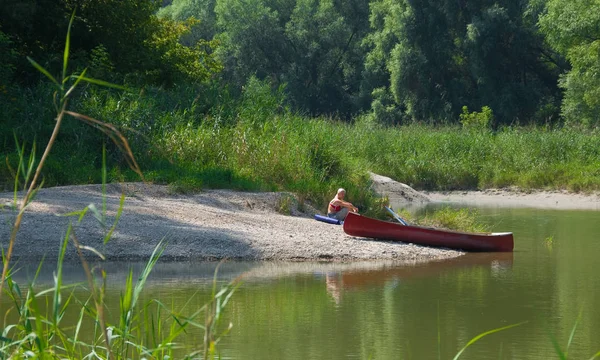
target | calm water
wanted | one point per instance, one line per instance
(391, 311)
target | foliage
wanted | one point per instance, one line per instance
(30, 173)
(178, 62)
(489, 332)
(123, 37)
(463, 219)
(571, 28)
(246, 146)
(39, 331)
(435, 57)
(448, 218)
(201, 10)
(259, 102)
(245, 127)
(406, 61)
(8, 56)
(310, 45)
(284, 204)
(476, 120)
(34, 323)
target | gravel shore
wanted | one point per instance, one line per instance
(211, 225)
(555, 200)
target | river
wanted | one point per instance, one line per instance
(390, 310)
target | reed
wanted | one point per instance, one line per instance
(63, 91)
(484, 334)
(39, 331)
(463, 219)
(185, 137)
(35, 324)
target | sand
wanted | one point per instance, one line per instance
(558, 200)
(211, 225)
(224, 224)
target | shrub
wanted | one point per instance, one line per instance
(477, 120)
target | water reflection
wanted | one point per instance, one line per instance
(390, 274)
(409, 309)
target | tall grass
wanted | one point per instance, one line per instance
(148, 331)
(64, 88)
(35, 325)
(463, 219)
(198, 137)
(255, 143)
(450, 158)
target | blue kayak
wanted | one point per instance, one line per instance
(328, 220)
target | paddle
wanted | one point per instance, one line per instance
(400, 220)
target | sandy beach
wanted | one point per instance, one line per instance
(211, 225)
(558, 200)
(223, 224)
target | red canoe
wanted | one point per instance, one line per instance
(362, 226)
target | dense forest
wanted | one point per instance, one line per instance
(270, 93)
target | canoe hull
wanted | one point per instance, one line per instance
(362, 226)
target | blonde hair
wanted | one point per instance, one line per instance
(341, 190)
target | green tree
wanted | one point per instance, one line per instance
(252, 40)
(411, 56)
(122, 35)
(323, 73)
(572, 28)
(436, 56)
(313, 46)
(8, 58)
(201, 10)
(514, 71)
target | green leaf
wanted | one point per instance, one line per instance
(77, 81)
(559, 352)
(43, 71)
(119, 213)
(478, 337)
(58, 276)
(573, 332)
(595, 355)
(102, 83)
(67, 48)
(80, 214)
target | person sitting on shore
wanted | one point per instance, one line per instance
(338, 208)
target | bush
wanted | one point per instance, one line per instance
(477, 120)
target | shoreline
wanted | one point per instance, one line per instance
(502, 198)
(238, 226)
(211, 225)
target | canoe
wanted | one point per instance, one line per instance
(494, 262)
(362, 226)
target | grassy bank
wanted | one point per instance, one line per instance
(197, 138)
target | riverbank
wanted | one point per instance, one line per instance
(210, 225)
(558, 200)
(225, 224)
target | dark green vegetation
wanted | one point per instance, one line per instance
(35, 325)
(306, 95)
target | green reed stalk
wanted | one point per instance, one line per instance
(41, 334)
(489, 332)
(64, 93)
(32, 187)
(563, 355)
